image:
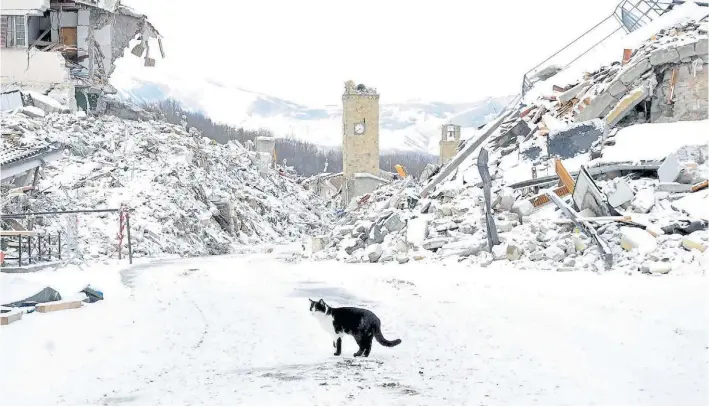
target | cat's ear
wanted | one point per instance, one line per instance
(311, 301)
(322, 301)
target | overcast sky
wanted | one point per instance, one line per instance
(303, 50)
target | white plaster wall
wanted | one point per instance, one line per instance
(69, 19)
(44, 67)
(103, 37)
(9, 101)
(32, 29)
(83, 17)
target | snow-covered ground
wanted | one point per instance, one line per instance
(236, 329)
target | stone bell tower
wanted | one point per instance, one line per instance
(360, 130)
(450, 139)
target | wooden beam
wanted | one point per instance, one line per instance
(7, 318)
(58, 305)
(564, 175)
(699, 186)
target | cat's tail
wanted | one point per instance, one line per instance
(382, 341)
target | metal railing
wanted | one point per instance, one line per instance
(629, 15)
(31, 247)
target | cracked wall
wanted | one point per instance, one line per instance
(689, 98)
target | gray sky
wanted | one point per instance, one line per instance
(442, 50)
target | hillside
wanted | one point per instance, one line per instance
(408, 126)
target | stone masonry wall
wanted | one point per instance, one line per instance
(689, 99)
(360, 152)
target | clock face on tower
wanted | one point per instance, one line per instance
(359, 128)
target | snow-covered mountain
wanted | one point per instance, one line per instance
(413, 126)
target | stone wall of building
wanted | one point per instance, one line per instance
(450, 140)
(690, 100)
(360, 152)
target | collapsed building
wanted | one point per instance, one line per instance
(606, 170)
(61, 54)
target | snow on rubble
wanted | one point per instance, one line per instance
(649, 162)
(190, 195)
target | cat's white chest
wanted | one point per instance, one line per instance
(325, 322)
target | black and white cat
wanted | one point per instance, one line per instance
(362, 324)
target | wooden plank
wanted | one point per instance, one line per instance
(9, 317)
(699, 186)
(543, 199)
(564, 175)
(58, 305)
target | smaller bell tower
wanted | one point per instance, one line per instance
(450, 140)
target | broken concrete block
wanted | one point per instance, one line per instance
(657, 267)
(485, 259)
(466, 247)
(664, 56)
(138, 50)
(58, 305)
(394, 223)
(376, 234)
(13, 314)
(669, 170)
(637, 239)
(632, 72)
(617, 88)
(318, 243)
(499, 251)
(625, 105)
(674, 187)
(362, 226)
(401, 246)
(505, 199)
(573, 92)
(504, 226)
(32, 111)
(644, 200)
(554, 253)
(343, 230)
(687, 50)
(575, 139)
(700, 47)
(622, 194)
(435, 243)
(374, 252)
(445, 210)
(417, 231)
(693, 241)
(598, 107)
(514, 252)
(402, 258)
(351, 244)
(522, 208)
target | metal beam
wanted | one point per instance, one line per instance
(463, 154)
(649, 166)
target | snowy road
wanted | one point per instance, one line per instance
(229, 330)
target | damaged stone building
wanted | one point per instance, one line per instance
(67, 49)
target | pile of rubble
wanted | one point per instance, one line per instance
(586, 177)
(189, 195)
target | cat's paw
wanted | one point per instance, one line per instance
(337, 354)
